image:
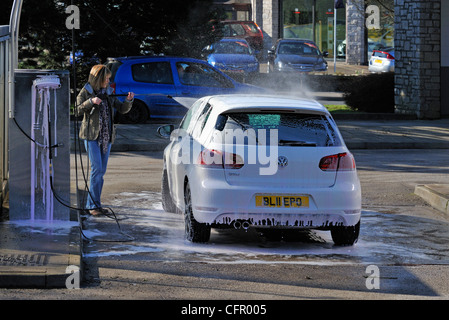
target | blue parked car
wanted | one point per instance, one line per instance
(156, 80)
(233, 56)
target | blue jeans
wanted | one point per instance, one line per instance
(98, 166)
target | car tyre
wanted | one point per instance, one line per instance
(138, 114)
(195, 231)
(167, 201)
(345, 235)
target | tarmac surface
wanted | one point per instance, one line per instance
(40, 255)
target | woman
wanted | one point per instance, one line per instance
(97, 129)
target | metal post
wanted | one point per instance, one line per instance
(314, 22)
(335, 40)
(13, 50)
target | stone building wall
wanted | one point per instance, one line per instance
(417, 51)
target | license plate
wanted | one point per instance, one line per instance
(290, 201)
(378, 61)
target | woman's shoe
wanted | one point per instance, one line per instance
(96, 212)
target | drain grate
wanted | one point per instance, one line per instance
(23, 259)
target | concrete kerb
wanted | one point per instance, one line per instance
(436, 195)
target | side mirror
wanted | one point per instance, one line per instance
(221, 122)
(325, 53)
(270, 52)
(165, 131)
(207, 51)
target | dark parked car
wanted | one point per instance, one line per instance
(295, 55)
(157, 80)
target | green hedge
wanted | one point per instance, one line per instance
(371, 93)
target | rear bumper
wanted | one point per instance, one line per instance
(218, 203)
(324, 220)
(380, 68)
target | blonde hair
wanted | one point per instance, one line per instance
(98, 75)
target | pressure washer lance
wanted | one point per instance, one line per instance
(185, 101)
(141, 94)
(136, 94)
(103, 96)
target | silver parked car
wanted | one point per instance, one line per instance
(296, 55)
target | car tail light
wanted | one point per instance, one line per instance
(218, 159)
(232, 161)
(259, 29)
(338, 162)
(210, 158)
(389, 56)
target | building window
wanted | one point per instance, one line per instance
(314, 20)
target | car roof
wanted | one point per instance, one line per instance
(239, 102)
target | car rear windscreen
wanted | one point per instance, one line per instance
(293, 129)
(380, 54)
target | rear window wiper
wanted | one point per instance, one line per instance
(295, 143)
(244, 126)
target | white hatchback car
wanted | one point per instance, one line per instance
(382, 60)
(266, 162)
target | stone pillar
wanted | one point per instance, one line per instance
(270, 18)
(417, 37)
(444, 59)
(355, 32)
